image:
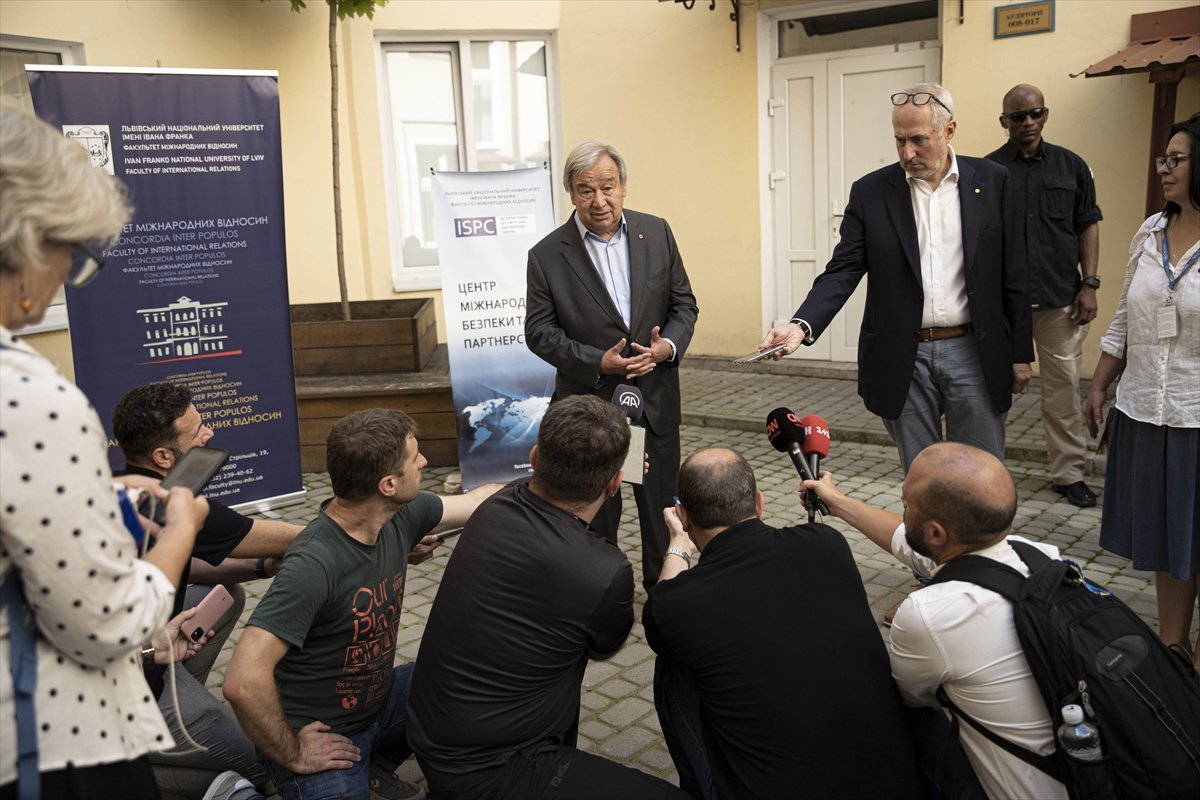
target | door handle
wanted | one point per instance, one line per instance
(775, 177)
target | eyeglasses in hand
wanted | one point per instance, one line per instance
(919, 99)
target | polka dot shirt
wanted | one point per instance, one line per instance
(94, 601)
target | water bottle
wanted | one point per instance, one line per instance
(1078, 736)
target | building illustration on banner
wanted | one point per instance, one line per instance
(186, 328)
(96, 140)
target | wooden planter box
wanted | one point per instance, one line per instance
(425, 396)
(383, 336)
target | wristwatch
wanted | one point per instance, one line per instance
(678, 551)
(1091, 281)
(808, 339)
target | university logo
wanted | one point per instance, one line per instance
(96, 140)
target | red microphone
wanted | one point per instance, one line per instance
(816, 441)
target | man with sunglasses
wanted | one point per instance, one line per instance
(945, 329)
(1055, 228)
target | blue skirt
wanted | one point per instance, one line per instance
(1151, 508)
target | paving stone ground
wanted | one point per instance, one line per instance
(728, 408)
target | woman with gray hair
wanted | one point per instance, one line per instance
(78, 601)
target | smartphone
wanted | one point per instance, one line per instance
(759, 355)
(210, 610)
(450, 534)
(196, 468)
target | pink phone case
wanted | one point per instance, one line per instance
(211, 609)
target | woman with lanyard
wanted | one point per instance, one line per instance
(1152, 504)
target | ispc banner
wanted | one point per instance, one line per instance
(195, 291)
(486, 223)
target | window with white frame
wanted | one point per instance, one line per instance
(469, 104)
(15, 53)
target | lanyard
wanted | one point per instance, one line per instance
(1171, 284)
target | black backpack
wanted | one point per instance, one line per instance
(1084, 646)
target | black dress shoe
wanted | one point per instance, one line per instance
(1077, 493)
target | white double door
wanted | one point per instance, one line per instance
(831, 124)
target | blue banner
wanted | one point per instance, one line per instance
(195, 291)
(486, 223)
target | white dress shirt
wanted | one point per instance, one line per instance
(939, 241)
(961, 636)
(1161, 382)
(94, 600)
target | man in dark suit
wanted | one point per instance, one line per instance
(946, 328)
(609, 302)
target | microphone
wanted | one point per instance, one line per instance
(816, 441)
(629, 399)
(786, 434)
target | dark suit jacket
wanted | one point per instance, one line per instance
(879, 240)
(570, 319)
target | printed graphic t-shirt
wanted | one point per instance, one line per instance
(337, 602)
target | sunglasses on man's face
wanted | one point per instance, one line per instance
(1018, 117)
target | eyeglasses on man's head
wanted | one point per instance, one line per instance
(919, 99)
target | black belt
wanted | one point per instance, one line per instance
(935, 334)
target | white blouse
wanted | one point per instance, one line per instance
(1161, 382)
(94, 600)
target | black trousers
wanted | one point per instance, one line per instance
(656, 492)
(558, 772)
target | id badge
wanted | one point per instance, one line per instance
(1168, 322)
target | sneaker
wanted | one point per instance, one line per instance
(231, 786)
(386, 786)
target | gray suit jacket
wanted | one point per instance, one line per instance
(570, 319)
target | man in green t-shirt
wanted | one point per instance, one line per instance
(312, 680)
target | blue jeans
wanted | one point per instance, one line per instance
(947, 379)
(387, 736)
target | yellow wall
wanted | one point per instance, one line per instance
(662, 83)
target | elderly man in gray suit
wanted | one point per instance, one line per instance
(609, 302)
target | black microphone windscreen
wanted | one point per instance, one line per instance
(629, 399)
(784, 429)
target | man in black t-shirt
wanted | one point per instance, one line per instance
(530, 594)
(772, 679)
(155, 425)
(313, 680)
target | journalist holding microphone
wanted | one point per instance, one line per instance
(88, 601)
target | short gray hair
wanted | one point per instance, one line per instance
(584, 157)
(50, 192)
(941, 115)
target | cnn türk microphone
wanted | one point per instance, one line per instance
(787, 435)
(816, 441)
(629, 399)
